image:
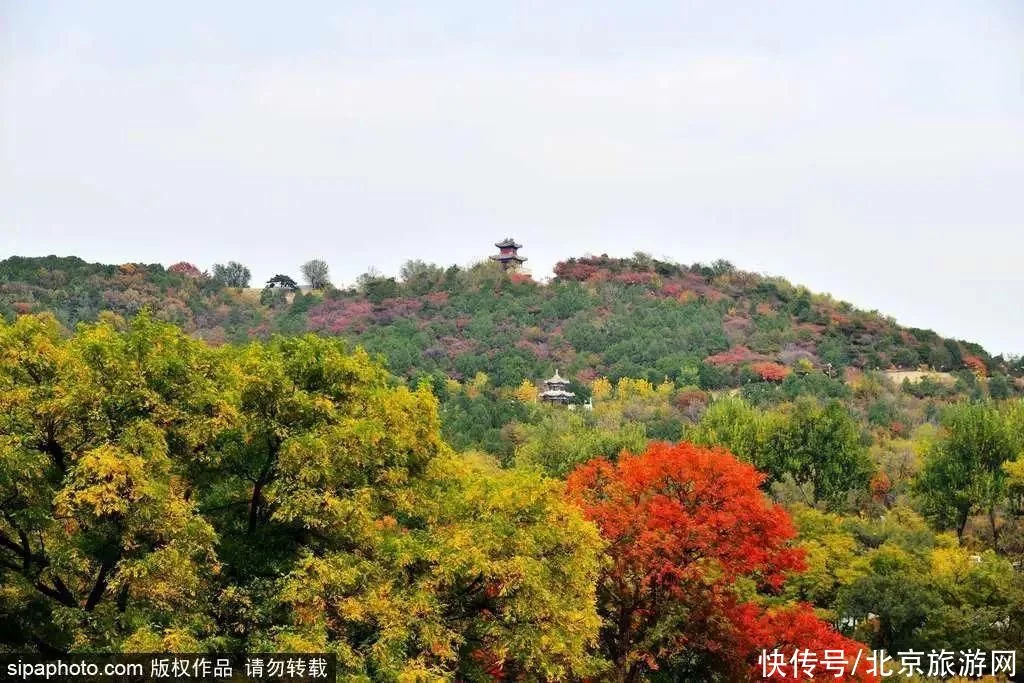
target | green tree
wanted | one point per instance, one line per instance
(999, 387)
(233, 274)
(480, 573)
(733, 424)
(564, 439)
(963, 471)
(283, 282)
(817, 446)
(420, 277)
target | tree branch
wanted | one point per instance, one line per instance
(96, 594)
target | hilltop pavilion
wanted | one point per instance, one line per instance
(507, 254)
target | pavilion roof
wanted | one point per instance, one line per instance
(557, 393)
(556, 379)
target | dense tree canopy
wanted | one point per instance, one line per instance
(692, 540)
(816, 447)
(162, 495)
(233, 274)
(194, 471)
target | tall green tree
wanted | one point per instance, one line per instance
(233, 274)
(964, 470)
(818, 447)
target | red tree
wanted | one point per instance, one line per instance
(771, 372)
(690, 536)
(185, 268)
(796, 628)
(975, 364)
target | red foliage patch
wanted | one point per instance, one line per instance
(771, 372)
(790, 629)
(581, 272)
(683, 523)
(975, 364)
(185, 268)
(456, 346)
(520, 278)
(339, 315)
(437, 299)
(735, 356)
(634, 278)
(880, 485)
(691, 399)
(840, 320)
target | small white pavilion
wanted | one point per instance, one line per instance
(556, 390)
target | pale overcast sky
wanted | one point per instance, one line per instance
(873, 150)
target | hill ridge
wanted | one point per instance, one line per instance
(712, 325)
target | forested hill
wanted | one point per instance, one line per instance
(712, 326)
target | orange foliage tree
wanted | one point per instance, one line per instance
(771, 372)
(692, 542)
(975, 365)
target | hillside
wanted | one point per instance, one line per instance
(712, 326)
(712, 391)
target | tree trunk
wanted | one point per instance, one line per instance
(961, 525)
(992, 524)
(254, 505)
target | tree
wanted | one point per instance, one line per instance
(316, 273)
(234, 274)
(816, 447)
(963, 471)
(273, 297)
(98, 534)
(282, 281)
(420, 277)
(897, 585)
(376, 287)
(819, 447)
(499, 583)
(690, 539)
(999, 386)
(160, 495)
(563, 440)
(526, 392)
(185, 268)
(731, 423)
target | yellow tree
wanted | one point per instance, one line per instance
(97, 530)
(156, 494)
(526, 392)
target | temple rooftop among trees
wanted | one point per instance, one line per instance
(508, 255)
(557, 390)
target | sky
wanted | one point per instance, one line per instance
(871, 150)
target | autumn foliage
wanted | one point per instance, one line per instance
(185, 268)
(771, 372)
(692, 541)
(975, 364)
